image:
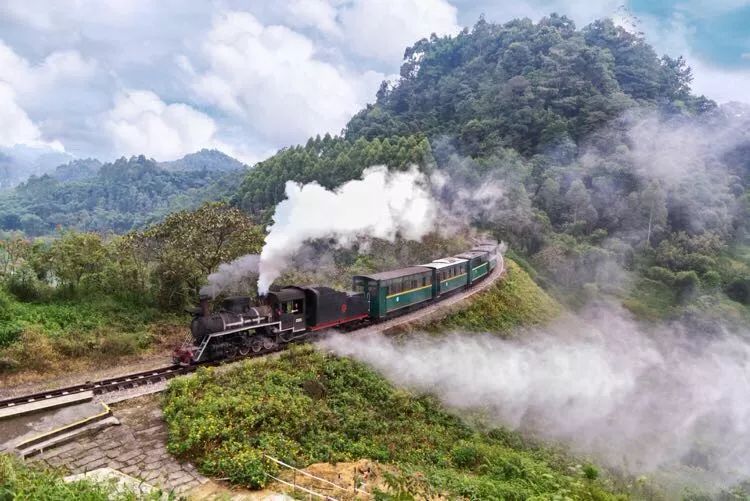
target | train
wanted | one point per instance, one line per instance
(240, 326)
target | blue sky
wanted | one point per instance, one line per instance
(168, 77)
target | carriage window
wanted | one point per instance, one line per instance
(424, 281)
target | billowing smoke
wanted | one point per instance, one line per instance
(235, 276)
(383, 204)
(644, 400)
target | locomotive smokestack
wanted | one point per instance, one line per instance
(206, 293)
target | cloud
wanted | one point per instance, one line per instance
(62, 14)
(141, 123)
(319, 14)
(17, 127)
(24, 86)
(581, 11)
(673, 35)
(271, 78)
(382, 29)
(29, 80)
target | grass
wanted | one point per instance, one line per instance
(305, 407)
(512, 302)
(20, 482)
(37, 335)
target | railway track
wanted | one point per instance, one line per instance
(101, 386)
(152, 376)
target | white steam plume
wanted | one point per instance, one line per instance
(645, 401)
(233, 276)
(383, 204)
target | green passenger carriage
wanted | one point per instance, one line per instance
(448, 275)
(492, 253)
(394, 290)
(477, 264)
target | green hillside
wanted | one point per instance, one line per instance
(515, 301)
(305, 407)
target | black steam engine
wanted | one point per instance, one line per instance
(240, 327)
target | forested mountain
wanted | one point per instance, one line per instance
(116, 197)
(614, 175)
(77, 170)
(210, 160)
(524, 85)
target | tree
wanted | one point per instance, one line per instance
(579, 202)
(654, 203)
(75, 255)
(188, 246)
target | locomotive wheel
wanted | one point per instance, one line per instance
(230, 351)
(244, 349)
(269, 343)
(256, 344)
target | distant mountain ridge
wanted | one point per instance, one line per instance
(118, 196)
(19, 163)
(212, 160)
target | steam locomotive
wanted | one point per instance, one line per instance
(240, 327)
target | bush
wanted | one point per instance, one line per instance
(660, 274)
(225, 422)
(119, 344)
(686, 283)
(25, 286)
(711, 278)
(590, 472)
(465, 456)
(241, 465)
(739, 290)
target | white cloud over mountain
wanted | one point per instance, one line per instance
(141, 123)
(382, 29)
(271, 77)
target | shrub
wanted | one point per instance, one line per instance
(225, 422)
(118, 344)
(25, 286)
(711, 278)
(590, 472)
(660, 274)
(686, 283)
(739, 290)
(465, 456)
